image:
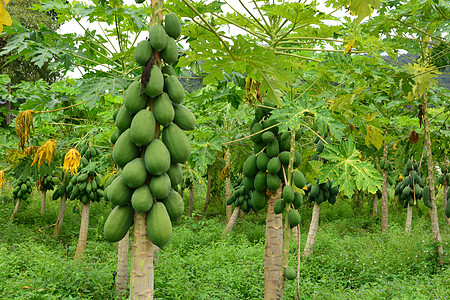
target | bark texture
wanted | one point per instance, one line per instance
(16, 209)
(208, 193)
(285, 257)
(447, 220)
(228, 183)
(433, 210)
(313, 227)
(273, 251)
(84, 226)
(60, 219)
(375, 205)
(191, 200)
(44, 198)
(232, 220)
(122, 266)
(141, 275)
(408, 224)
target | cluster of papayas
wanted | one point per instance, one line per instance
(47, 183)
(266, 169)
(149, 156)
(22, 187)
(241, 196)
(386, 165)
(412, 187)
(62, 187)
(321, 192)
(86, 184)
(320, 144)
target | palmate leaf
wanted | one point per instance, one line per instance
(363, 8)
(345, 168)
(291, 115)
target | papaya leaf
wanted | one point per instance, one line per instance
(363, 8)
(345, 168)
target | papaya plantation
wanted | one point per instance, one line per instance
(224, 150)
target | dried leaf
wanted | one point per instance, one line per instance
(46, 152)
(72, 161)
(23, 123)
(2, 178)
(5, 18)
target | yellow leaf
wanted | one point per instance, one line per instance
(2, 178)
(23, 122)
(395, 146)
(374, 136)
(46, 152)
(348, 47)
(5, 18)
(72, 161)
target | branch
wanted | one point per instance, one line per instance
(298, 56)
(311, 49)
(424, 32)
(62, 108)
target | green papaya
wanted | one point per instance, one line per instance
(250, 168)
(290, 273)
(143, 127)
(406, 192)
(172, 25)
(174, 204)
(273, 149)
(118, 222)
(299, 179)
(133, 100)
(297, 158)
(298, 200)
(143, 52)
(157, 158)
(177, 143)
(174, 89)
(315, 189)
(163, 110)
(183, 117)
(123, 120)
(288, 194)
(332, 199)
(278, 207)
(261, 161)
(168, 70)
(119, 193)
(175, 174)
(426, 196)
(142, 199)
(159, 226)
(260, 182)
(155, 84)
(258, 200)
(160, 186)
(267, 137)
(274, 165)
(270, 124)
(258, 148)
(134, 173)
(284, 157)
(170, 52)
(273, 182)
(256, 134)
(447, 209)
(294, 218)
(409, 165)
(158, 37)
(249, 183)
(124, 150)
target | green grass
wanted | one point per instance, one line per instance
(352, 259)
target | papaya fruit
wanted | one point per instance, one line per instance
(159, 226)
(118, 222)
(175, 174)
(157, 158)
(285, 141)
(255, 129)
(273, 182)
(143, 52)
(447, 209)
(119, 193)
(290, 273)
(249, 183)
(288, 194)
(155, 84)
(134, 173)
(278, 207)
(174, 205)
(170, 53)
(315, 189)
(258, 148)
(183, 117)
(261, 161)
(258, 200)
(250, 169)
(160, 186)
(269, 123)
(294, 218)
(158, 37)
(123, 120)
(124, 150)
(172, 25)
(297, 158)
(142, 199)
(274, 165)
(267, 137)
(260, 182)
(406, 192)
(298, 200)
(174, 89)
(299, 179)
(273, 149)
(168, 70)
(332, 199)
(133, 100)
(284, 157)
(177, 143)
(143, 127)
(163, 110)
(426, 198)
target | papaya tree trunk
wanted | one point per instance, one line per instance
(208, 193)
(273, 250)
(84, 226)
(313, 227)
(122, 266)
(409, 211)
(44, 198)
(285, 256)
(60, 219)
(356, 199)
(142, 272)
(433, 210)
(228, 183)
(16, 209)
(232, 220)
(191, 200)
(384, 195)
(447, 220)
(375, 205)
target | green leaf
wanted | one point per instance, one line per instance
(363, 8)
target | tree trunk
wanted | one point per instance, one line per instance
(122, 266)
(208, 193)
(84, 226)
(447, 220)
(232, 220)
(285, 257)
(16, 209)
(141, 275)
(3, 194)
(355, 203)
(433, 210)
(60, 219)
(384, 195)
(409, 212)
(228, 183)
(44, 196)
(191, 201)
(313, 227)
(273, 251)
(375, 205)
